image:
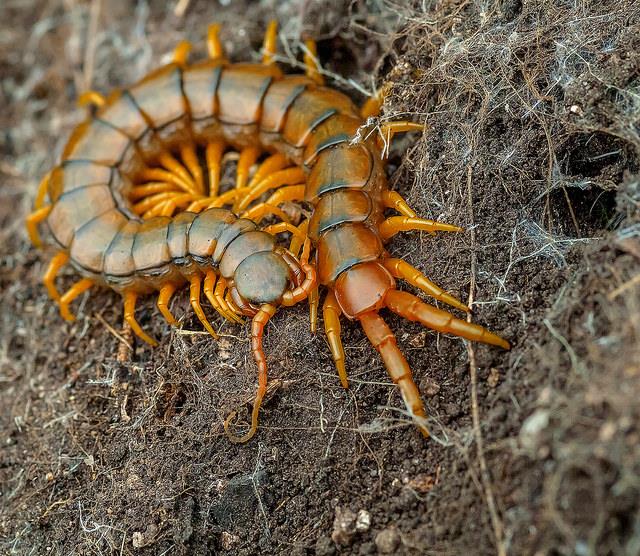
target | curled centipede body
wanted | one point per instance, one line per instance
(127, 213)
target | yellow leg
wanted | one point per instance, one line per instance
(78, 288)
(270, 42)
(331, 314)
(32, 222)
(130, 298)
(194, 298)
(298, 239)
(158, 174)
(172, 165)
(312, 66)
(210, 280)
(269, 165)
(151, 188)
(164, 297)
(401, 269)
(392, 199)
(223, 299)
(394, 224)
(314, 301)
(373, 105)
(43, 189)
(91, 97)
(247, 159)
(214, 47)
(49, 277)
(213, 154)
(152, 201)
(190, 158)
(288, 176)
(389, 129)
(181, 52)
(261, 210)
(281, 227)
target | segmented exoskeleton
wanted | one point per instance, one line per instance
(127, 214)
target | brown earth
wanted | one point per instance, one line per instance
(533, 145)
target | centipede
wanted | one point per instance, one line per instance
(135, 205)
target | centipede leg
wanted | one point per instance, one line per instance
(130, 298)
(298, 239)
(393, 199)
(190, 158)
(331, 314)
(194, 298)
(389, 129)
(289, 176)
(89, 98)
(210, 281)
(213, 155)
(181, 52)
(394, 224)
(268, 166)
(412, 308)
(402, 269)
(248, 157)
(221, 295)
(286, 193)
(58, 261)
(43, 188)
(74, 291)
(214, 47)
(311, 63)
(373, 105)
(167, 160)
(384, 341)
(32, 221)
(270, 42)
(258, 324)
(164, 297)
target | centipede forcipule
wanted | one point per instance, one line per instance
(131, 207)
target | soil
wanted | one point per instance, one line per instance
(533, 145)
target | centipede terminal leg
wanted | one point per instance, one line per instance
(394, 224)
(331, 314)
(402, 269)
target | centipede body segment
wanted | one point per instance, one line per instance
(135, 205)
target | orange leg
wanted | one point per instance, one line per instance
(164, 297)
(78, 288)
(151, 188)
(392, 199)
(286, 193)
(410, 307)
(401, 269)
(285, 227)
(394, 224)
(270, 42)
(190, 159)
(91, 97)
(269, 165)
(213, 154)
(222, 296)
(258, 212)
(181, 52)
(297, 240)
(303, 291)
(214, 47)
(312, 65)
(130, 298)
(384, 341)
(248, 157)
(258, 324)
(210, 281)
(389, 129)
(194, 298)
(43, 189)
(158, 174)
(331, 314)
(373, 105)
(172, 165)
(288, 176)
(32, 221)
(60, 259)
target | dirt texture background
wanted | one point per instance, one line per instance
(533, 146)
